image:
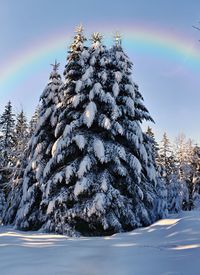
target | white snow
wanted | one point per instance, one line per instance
(76, 100)
(50, 207)
(140, 193)
(54, 147)
(99, 149)
(168, 247)
(106, 123)
(104, 76)
(33, 165)
(118, 76)
(115, 89)
(131, 90)
(97, 205)
(78, 86)
(80, 141)
(104, 185)
(87, 73)
(84, 166)
(92, 60)
(69, 171)
(80, 186)
(89, 114)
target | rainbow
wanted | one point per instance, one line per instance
(156, 43)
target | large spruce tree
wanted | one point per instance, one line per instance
(100, 179)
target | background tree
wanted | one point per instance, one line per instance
(33, 122)
(21, 135)
(196, 177)
(27, 181)
(7, 145)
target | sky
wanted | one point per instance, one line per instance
(157, 35)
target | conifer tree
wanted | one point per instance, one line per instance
(14, 185)
(2, 204)
(21, 134)
(7, 123)
(15, 189)
(184, 156)
(7, 145)
(162, 206)
(196, 177)
(28, 180)
(100, 179)
(33, 122)
(155, 146)
(177, 194)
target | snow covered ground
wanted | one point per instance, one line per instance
(168, 247)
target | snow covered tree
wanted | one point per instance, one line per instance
(21, 134)
(177, 194)
(184, 156)
(2, 204)
(152, 146)
(33, 122)
(99, 179)
(13, 186)
(196, 177)
(15, 189)
(7, 145)
(166, 160)
(7, 123)
(27, 181)
(155, 146)
(183, 151)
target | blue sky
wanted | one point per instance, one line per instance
(170, 86)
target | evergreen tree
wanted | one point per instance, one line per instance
(99, 179)
(7, 145)
(14, 185)
(27, 181)
(196, 177)
(177, 194)
(166, 160)
(33, 122)
(21, 135)
(184, 156)
(15, 189)
(2, 204)
(155, 146)
(7, 123)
